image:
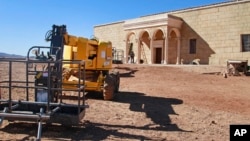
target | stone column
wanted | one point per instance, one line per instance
(166, 50)
(139, 50)
(162, 52)
(178, 50)
(126, 52)
(151, 49)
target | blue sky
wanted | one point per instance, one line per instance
(24, 22)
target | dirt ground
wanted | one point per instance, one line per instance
(162, 103)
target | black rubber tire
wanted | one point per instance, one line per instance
(117, 80)
(0, 95)
(108, 87)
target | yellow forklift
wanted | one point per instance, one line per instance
(97, 56)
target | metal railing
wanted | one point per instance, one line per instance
(30, 108)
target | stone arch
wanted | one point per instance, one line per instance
(158, 46)
(156, 32)
(145, 37)
(131, 39)
(129, 34)
(143, 32)
(177, 32)
(173, 46)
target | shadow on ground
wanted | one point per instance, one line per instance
(157, 109)
(126, 71)
(87, 131)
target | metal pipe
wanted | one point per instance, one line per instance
(2, 118)
(60, 82)
(27, 80)
(55, 110)
(14, 81)
(10, 83)
(83, 86)
(25, 116)
(79, 85)
(39, 131)
(43, 103)
(49, 88)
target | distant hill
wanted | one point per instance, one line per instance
(6, 55)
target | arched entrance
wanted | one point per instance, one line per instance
(131, 46)
(145, 47)
(158, 38)
(174, 46)
(158, 47)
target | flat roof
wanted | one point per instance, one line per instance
(109, 23)
(185, 10)
(201, 7)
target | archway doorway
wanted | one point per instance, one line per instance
(145, 47)
(172, 48)
(158, 47)
(158, 55)
(131, 47)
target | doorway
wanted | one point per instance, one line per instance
(158, 55)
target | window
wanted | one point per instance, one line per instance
(192, 46)
(245, 42)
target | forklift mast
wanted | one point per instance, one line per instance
(56, 38)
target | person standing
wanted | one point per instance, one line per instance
(132, 55)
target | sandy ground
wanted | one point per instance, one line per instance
(176, 103)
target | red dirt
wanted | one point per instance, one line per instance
(156, 103)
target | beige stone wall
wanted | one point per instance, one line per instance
(112, 32)
(218, 31)
(217, 28)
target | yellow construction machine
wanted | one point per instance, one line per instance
(70, 66)
(97, 57)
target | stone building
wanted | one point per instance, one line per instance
(212, 33)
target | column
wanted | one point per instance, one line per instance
(151, 50)
(162, 52)
(139, 51)
(166, 50)
(126, 52)
(178, 50)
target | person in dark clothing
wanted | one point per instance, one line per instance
(132, 55)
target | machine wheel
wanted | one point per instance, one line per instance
(108, 91)
(0, 94)
(116, 76)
